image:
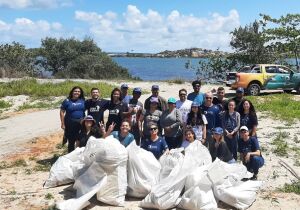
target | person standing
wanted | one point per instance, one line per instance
(71, 112)
(171, 123)
(96, 106)
(220, 99)
(183, 105)
(117, 110)
(162, 103)
(155, 143)
(212, 114)
(136, 108)
(239, 97)
(149, 117)
(248, 117)
(196, 96)
(250, 153)
(197, 121)
(124, 93)
(231, 125)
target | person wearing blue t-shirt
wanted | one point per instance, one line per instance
(123, 135)
(250, 153)
(71, 112)
(212, 114)
(196, 96)
(155, 144)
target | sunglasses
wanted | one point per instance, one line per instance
(153, 129)
(182, 94)
(244, 131)
(208, 97)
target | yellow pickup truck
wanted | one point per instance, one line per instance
(255, 80)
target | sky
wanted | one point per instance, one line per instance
(137, 25)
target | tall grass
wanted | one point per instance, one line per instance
(282, 106)
(33, 88)
(4, 104)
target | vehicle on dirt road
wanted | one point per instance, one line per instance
(257, 78)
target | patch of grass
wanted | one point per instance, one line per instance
(4, 104)
(49, 196)
(38, 105)
(280, 106)
(296, 140)
(18, 163)
(33, 88)
(294, 187)
(3, 165)
(281, 147)
(45, 165)
(28, 171)
(176, 81)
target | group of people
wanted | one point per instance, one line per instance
(224, 126)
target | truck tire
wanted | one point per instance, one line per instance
(298, 89)
(253, 89)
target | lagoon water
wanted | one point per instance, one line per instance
(159, 68)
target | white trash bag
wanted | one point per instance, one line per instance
(65, 169)
(199, 153)
(166, 194)
(169, 161)
(142, 171)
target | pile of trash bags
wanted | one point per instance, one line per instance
(184, 178)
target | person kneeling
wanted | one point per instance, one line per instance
(218, 148)
(155, 144)
(250, 153)
(190, 137)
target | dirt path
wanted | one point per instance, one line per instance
(17, 130)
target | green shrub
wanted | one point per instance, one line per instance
(4, 104)
(294, 187)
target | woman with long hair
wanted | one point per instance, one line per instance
(71, 112)
(219, 149)
(248, 117)
(231, 125)
(190, 137)
(117, 110)
(197, 121)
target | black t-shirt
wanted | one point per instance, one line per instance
(96, 108)
(221, 104)
(238, 102)
(115, 114)
(249, 120)
(84, 137)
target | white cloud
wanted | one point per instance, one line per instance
(29, 32)
(36, 4)
(153, 32)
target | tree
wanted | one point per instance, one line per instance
(80, 59)
(15, 60)
(285, 37)
(249, 44)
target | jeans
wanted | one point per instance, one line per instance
(254, 164)
(232, 145)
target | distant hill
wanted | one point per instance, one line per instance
(190, 52)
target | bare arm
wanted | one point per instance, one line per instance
(62, 119)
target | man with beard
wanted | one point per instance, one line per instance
(96, 106)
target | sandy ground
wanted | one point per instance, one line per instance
(34, 137)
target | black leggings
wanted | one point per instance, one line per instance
(72, 129)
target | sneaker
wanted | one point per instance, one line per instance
(245, 179)
(254, 177)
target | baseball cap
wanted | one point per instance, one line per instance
(153, 100)
(218, 130)
(124, 86)
(195, 104)
(137, 90)
(240, 90)
(244, 128)
(155, 87)
(171, 100)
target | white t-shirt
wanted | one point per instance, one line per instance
(184, 108)
(198, 129)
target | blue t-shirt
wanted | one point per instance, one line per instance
(212, 115)
(248, 146)
(126, 99)
(157, 147)
(125, 141)
(196, 97)
(74, 108)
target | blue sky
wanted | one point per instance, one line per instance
(140, 26)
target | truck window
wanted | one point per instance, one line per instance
(282, 70)
(271, 69)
